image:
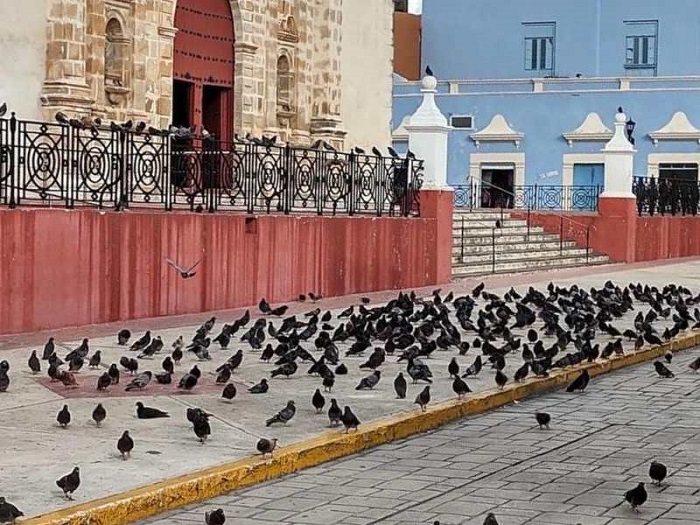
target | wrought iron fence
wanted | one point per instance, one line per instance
(531, 197)
(665, 195)
(62, 165)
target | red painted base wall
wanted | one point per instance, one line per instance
(626, 238)
(63, 268)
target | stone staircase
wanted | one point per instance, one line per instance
(516, 250)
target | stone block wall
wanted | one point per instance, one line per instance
(114, 59)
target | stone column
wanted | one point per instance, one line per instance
(619, 162)
(326, 122)
(65, 86)
(247, 99)
(427, 139)
(617, 205)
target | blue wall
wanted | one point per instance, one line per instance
(544, 117)
(483, 39)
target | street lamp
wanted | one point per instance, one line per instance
(629, 127)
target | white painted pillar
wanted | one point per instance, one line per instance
(427, 138)
(619, 162)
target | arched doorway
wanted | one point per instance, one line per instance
(203, 69)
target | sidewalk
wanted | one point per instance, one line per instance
(38, 452)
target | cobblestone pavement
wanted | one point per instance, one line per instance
(600, 445)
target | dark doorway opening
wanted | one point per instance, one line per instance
(214, 108)
(182, 103)
(497, 187)
(679, 172)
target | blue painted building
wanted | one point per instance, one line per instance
(531, 87)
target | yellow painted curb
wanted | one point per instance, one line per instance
(205, 484)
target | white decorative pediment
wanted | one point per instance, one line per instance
(498, 130)
(401, 133)
(678, 128)
(591, 129)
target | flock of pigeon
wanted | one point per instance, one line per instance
(541, 331)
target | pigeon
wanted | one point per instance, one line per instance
(695, 365)
(144, 412)
(453, 368)
(104, 381)
(8, 512)
(95, 359)
(76, 363)
(4, 381)
(154, 347)
(334, 413)
(177, 355)
(34, 363)
(423, 398)
(328, 383)
(224, 375)
(139, 382)
(668, 356)
(318, 401)
(113, 374)
(490, 519)
(141, 343)
(99, 414)
(125, 445)
(261, 388)
(214, 517)
(188, 381)
(63, 417)
(501, 379)
(474, 368)
(580, 383)
(168, 365)
(341, 369)
(185, 273)
(264, 306)
(69, 483)
(543, 419)
(201, 428)
(428, 71)
(164, 378)
(266, 446)
(460, 387)
(123, 337)
(400, 386)
(662, 370)
(286, 370)
(349, 420)
(284, 415)
(3, 112)
(49, 348)
(636, 496)
(657, 472)
(129, 364)
(369, 382)
(229, 392)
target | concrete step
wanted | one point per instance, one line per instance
(535, 236)
(479, 215)
(532, 246)
(484, 223)
(514, 266)
(520, 255)
(486, 230)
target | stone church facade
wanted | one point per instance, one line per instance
(300, 69)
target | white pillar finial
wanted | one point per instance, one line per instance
(427, 136)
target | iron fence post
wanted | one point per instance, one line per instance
(527, 235)
(561, 235)
(12, 154)
(493, 250)
(588, 235)
(461, 253)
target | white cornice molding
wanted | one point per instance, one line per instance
(498, 130)
(678, 128)
(591, 129)
(401, 133)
